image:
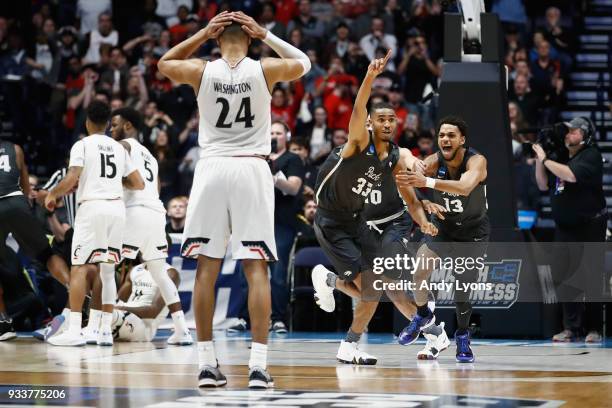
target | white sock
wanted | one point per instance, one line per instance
(206, 354)
(105, 324)
(180, 326)
(74, 326)
(259, 355)
(66, 313)
(94, 319)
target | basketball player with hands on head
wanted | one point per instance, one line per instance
(456, 174)
(233, 190)
(101, 167)
(355, 182)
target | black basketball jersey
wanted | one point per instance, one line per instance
(461, 211)
(344, 184)
(384, 199)
(9, 173)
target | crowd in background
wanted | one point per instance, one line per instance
(60, 56)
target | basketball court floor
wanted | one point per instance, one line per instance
(506, 374)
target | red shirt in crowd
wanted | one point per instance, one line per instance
(339, 109)
(285, 10)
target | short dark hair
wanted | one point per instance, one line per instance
(300, 141)
(282, 123)
(380, 105)
(234, 32)
(130, 115)
(98, 113)
(454, 121)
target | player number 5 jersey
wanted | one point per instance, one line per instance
(234, 107)
(147, 165)
(105, 162)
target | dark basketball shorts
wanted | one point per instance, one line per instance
(63, 248)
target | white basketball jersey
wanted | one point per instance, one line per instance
(234, 107)
(146, 164)
(144, 290)
(105, 162)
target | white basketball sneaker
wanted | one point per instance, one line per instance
(67, 339)
(180, 339)
(324, 295)
(90, 335)
(349, 353)
(434, 346)
(105, 337)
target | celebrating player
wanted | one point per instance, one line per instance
(359, 171)
(233, 191)
(457, 175)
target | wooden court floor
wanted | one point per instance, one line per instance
(505, 374)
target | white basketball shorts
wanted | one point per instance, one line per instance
(231, 196)
(98, 232)
(145, 231)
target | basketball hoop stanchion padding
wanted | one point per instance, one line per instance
(477, 92)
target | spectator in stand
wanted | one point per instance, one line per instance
(88, 12)
(316, 72)
(377, 38)
(288, 171)
(364, 19)
(152, 23)
(67, 48)
(538, 37)
(104, 34)
(528, 101)
(337, 17)
(115, 76)
(339, 137)
(267, 20)
(177, 211)
(412, 129)
(511, 12)
(521, 67)
(206, 9)
(355, 61)
(339, 106)
(424, 145)
(285, 10)
(318, 136)
(282, 109)
(396, 99)
(417, 69)
(339, 44)
(167, 9)
(178, 31)
(187, 167)
(336, 75)
(544, 69)
(305, 226)
(137, 94)
(311, 27)
(179, 103)
(299, 146)
(168, 165)
(559, 37)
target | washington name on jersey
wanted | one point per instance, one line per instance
(234, 108)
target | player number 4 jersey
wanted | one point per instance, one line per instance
(105, 162)
(147, 165)
(234, 107)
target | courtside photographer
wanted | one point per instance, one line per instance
(573, 175)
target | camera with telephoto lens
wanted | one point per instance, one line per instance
(552, 140)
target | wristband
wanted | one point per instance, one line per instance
(430, 182)
(544, 161)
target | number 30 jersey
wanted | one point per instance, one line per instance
(234, 107)
(346, 184)
(461, 211)
(105, 162)
(146, 164)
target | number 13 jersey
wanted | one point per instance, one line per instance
(462, 211)
(234, 107)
